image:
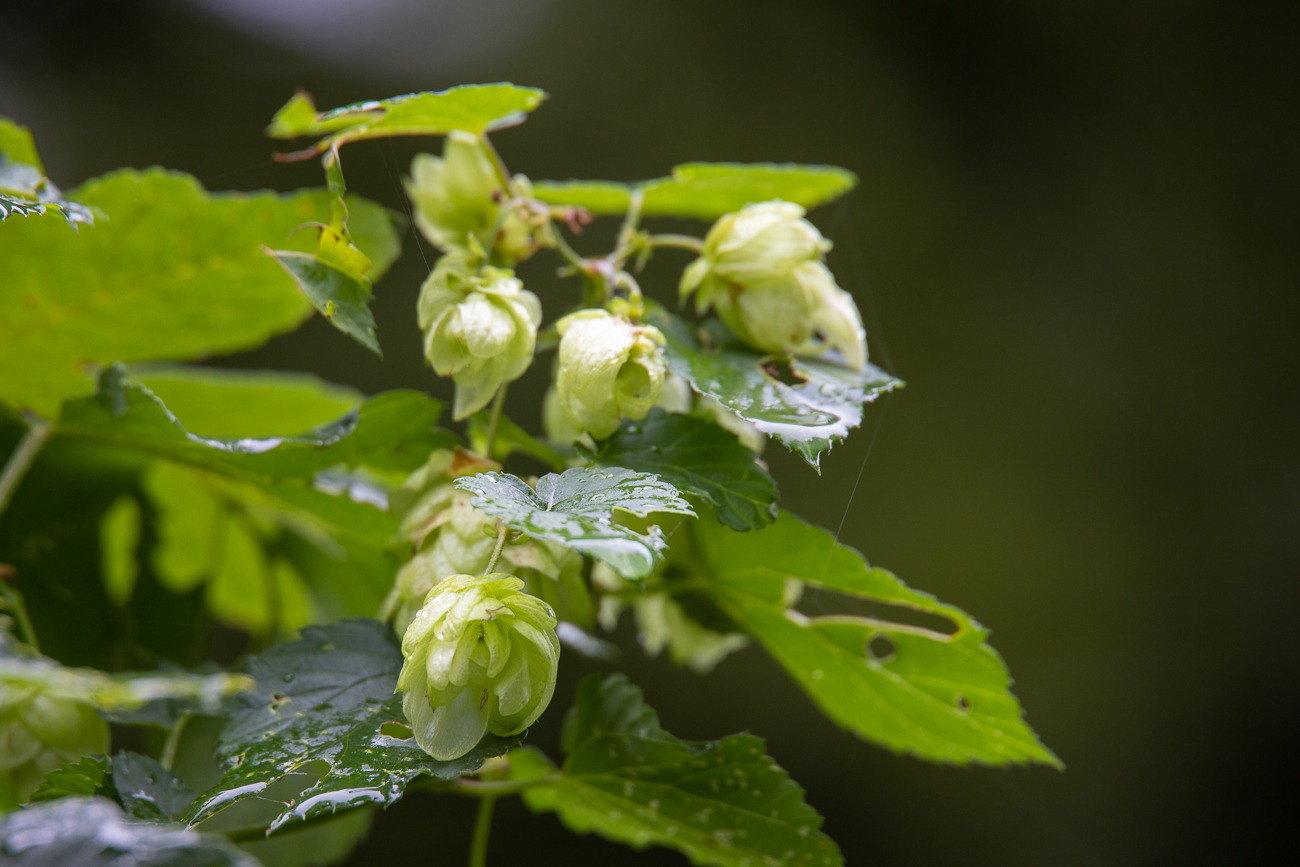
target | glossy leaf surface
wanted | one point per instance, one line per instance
(575, 509)
(321, 709)
(913, 689)
(807, 417)
(173, 273)
(720, 803)
(697, 457)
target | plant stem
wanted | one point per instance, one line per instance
(494, 420)
(482, 828)
(38, 430)
(496, 788)
(502, 530)
(19, 609)
(683, 242)
(499, 165)
(173, 741)
(630, 222)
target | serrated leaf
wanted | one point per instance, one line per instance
(147, 790)
(808, 418)
(91, 775)
(510, 438)
(475, 108)
(336, 295)
(722, 803)
(575, 509)
(938, 696)
(706, 191)
(321, 707)
(73, 213)
(173, 273)
(697, 457)
(75, 831)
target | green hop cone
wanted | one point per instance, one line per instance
(458, 196)
(480, 327)
(480, 657)
(609, 368)
(762, 269)
(40, 732)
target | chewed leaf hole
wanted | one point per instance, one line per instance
(781, 372)
(962, 702)
(400, 731)
(820, 602)
(881, 648)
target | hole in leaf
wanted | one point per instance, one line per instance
(881, 648)
(820, 602)
(963, 703)
(781, 372)
(400, 731)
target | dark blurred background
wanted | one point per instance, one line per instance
(1075, 237)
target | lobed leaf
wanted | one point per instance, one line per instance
(697, 457)
(808, 418)
(913, 689)
(89, 776)
(576, 509)
(173, 273)
(325, 708)
(705, 191)
(475, 108)
(720, 803)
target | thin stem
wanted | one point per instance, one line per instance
(498, 165)
(173, 741)
(482, 828)
(494, 420)
(683, 242)
(15, 604)
(38, 430)
(502, 531)
(496, 788)
(630, 222)
(570, 255)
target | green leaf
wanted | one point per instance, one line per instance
(73, 213)
(147, 790)
(95, 831)
(697, 457)
(510, 438)
(239, 404)
(119, 536)
(338, 296)
(16, 142)
(327, 842)
(808, 418)
(118, 691)
(325, 708)
(912, 689)
(173, 273)
(92, 775)
(475, 108)
(706, 191)
(722, 802)
(576, 508)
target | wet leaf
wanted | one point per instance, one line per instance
(808, 417)
(92, 775)
(173, 273)
(720, 803)
(76, 831)
(913, 689)
(475, 108)
(339, 297)
(319, 711)
(147, 790)
(706, 191)
(317, 844)
(576, 509)
(697, 457)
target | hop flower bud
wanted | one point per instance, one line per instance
(608, 368)
(480, 328)
(39, 733)
(762, 269)
(480, 656)
(459, 195)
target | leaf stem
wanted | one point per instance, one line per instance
(482, 829)
(497, 788)
(173, 741)
(682, 242)
(14, 602)
(503, 175)
(630, 222)
(502, 530)
(494, 420)
(38, 430)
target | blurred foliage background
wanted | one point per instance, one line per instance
(1075, 238)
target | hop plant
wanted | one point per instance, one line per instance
(40, 732)
(480, 657)
(762, 269)
(480, 326)
(609, 368)
(459, 196)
